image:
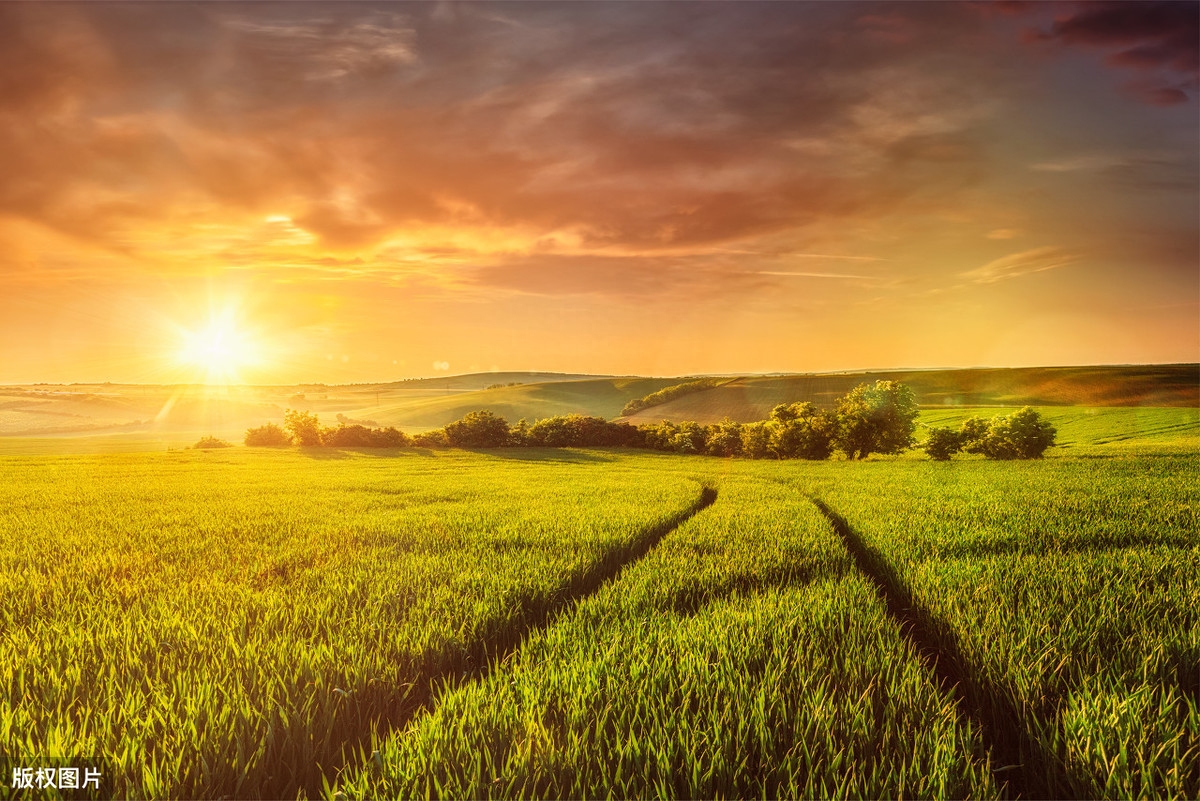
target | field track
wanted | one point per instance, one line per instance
(1018, 760)
(485, 655)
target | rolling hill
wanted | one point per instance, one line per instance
(752, 398)
(178, 413)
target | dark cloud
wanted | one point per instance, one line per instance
(1157, 37)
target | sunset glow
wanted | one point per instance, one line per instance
(616, 188)
(219, 351)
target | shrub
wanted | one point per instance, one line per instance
(723, 439)
(480, 429)
(303, 426)
(972, 434)
(943, 443)
(357, 436)
(756, 440)
(877, 418)
(211, 442)
(270, 436)
(431, 439)
(801, 438)
(1021, 435)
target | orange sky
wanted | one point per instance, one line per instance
(368, 192)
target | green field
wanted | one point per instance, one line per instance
(116, 417)
(559, 623)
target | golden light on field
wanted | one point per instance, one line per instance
(220, 351)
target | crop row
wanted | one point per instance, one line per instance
(743, 657)
(231, 625)
(1070, 593)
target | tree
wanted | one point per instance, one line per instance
(877, 418)
(689, 438)
(480, 429)
(724, 438)
(756, 440)
(431, 439)
(303, 426)
(943, 443)
(801, 438)
(269, 435)
(518, 434)
(1021, 435)
(972, 434)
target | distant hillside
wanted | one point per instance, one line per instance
(599, 397)
(752, 398)
(430, 403)
(472, 382)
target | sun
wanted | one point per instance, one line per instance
(220, 351)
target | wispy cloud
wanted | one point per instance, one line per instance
(1024, 263)
(811, 275)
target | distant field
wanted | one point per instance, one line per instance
(177, 416)
(753, 398)
(559, 623)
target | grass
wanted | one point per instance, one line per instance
(742, 658)
(1067, 589)
(225, 624)
(257, 623)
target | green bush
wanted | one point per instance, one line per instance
(943, 443)
(480, 429)
(212, 442)
(1021, 435)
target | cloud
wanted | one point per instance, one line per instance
(1159, 39)
(364, 125)
(1024, 263)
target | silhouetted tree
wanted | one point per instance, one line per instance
(303, 426)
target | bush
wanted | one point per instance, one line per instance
(357, 436)
(876, 419)
(212, 442)
(973, 433)
(943, 443)
(478, 430)
(801, 438)
(431, 439)
(303, 426)
(756, 440)
(1021, 435)
(270, 436)
(799, 431)
(723, 439)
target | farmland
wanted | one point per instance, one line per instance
(563, 623)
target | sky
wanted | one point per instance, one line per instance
(345, 192)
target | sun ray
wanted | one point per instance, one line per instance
(220, 352)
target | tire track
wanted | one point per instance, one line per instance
(389, 710)
(1026, 769)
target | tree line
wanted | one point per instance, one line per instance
(871, 418)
